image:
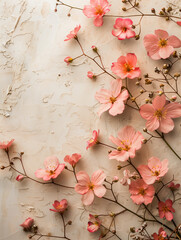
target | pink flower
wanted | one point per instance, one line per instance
(68, 60)
(28, 223)
(73, 33)
(159, 114)
(128, 142)
(19, 178)
(165, 209)
(154, 170)
(90, 75)
(115, 179)
(94, 140)
(6, 144)
(97, 9)
(123, 29)
(160, 45)
(112, 99)
(52, 169)
(93, 224)
(126, 180)
(126, 66)
(161, 235)
(72, 160)
(88, 187)
(173, 186)
(179, 23)
(60, 207)
(141, 192)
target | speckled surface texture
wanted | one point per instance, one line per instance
(50, 109)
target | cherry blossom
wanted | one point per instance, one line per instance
(173, 186)
(165, 209)
(161, 235)
(6, 144)
(27, 224)
(93, 224)
(126, 180)
(128, 142)
(112, 99)
(123, 29)
(68, 60)
(159, 114)
(60, 207)
(19, 178)
(73, 33)
(94, 140)
(73, 159)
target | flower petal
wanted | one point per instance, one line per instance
(98, 177)
(174, 41)
(99, 191)
(88, 198)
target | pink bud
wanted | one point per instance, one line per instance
(68, 60)
(115, 179)
(94, 48)
(179, 23)
(90, 75)
(28, 223)
(19, 178)
(173, 98)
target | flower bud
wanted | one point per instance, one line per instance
(94, 48)
(153, 10)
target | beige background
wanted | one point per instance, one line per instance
(48, 114)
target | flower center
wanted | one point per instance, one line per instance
(156, 173)
(112, 99)
(158, 113)
(91, 140)
(99, 10)
(162, 43)
(142, 191)
(91, 186)
(128, 67)
(59, 206)
(124, 29)
(126, 146)
(165, 209)
(51, 172)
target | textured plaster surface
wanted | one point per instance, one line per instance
(49, 108)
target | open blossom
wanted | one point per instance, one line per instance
(160, 236)
(113, 98)
(52, 169)
(19, 178)
(126, 180)
(161, 45)
(88, 187)
(68, 60)
(173, 186)
(93, 140)
(126, 66)
(73, 33)
(73, 159)
(128, 141)
(166, 210)
(154, 170)
(123, 29)
(93, 224)
(97, 9)
(159, 114)
(6, 144)
(27, 224)
(60, 207)
(141, 192)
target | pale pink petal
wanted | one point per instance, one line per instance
(166, 125)
(104, 108)
(40, 173)
(146, 174)
(103, 96)
(174, 41)
(138, 199)
(152, 124)
(98, 21)
(88, 198)
(155, 163)
(81, 189)
(88, 11)
(131, 59)
(98, 177)
(130, 34)
(161, 34)
(116, 87)
(51, 163)
(148, 199)
(137, 140)
(119, 155)
(59, 169)
(134, 73)
(147, 111)
(92, 227)
(168, 216)
(159, 102)
(99, 190)
(166, 51)
(173, 110)
(117, 108)
(83, 178)
(164, 168)
(116, 141)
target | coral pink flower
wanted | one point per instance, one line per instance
(94, 140)
(60, 207)
(73, 33)
(126, 66)
(97, 9)
(126, 180)
(160, 236)
(128, 142)
(93, 224)
(19, 178)
(179, 23)
(141, 192)
(72, 160)
(112, 99)
(160, 45)
(6, 144)
(88, 187)
(123, 29)
(154, 170)
(52, 169)
(159, 114)
(165, 209)
(28, 223)
(68, 60)
(90, 75)
(173, 186)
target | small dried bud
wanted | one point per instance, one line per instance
(2, 167)
(157, 70)
(144, 129)
(173, 98)
(124, 1)
(148, 81)
(163, 9)
(147, 100)
(55, 10)
(139, 79)
(141, 91)
(113, 231)
(35, 228)
(166, 71)
(150, 95)
(109, 151)
(112, 214)
(175, 54)
(162, 85)
(132, 229)
(124, 9)
(165, 66)
(161, 13)
(68, 14)
(133, 99)
(177, 75)
(137, 37)
(94, 48)
(137, 83)
(146, 75)
(30, 236)
(153, 10)
(69, 223)
(160, 93)
(133, 27)
(145, 141)
(66, 167)
(167, 18)
(119, 167)
(169, 9)
(137, 4)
